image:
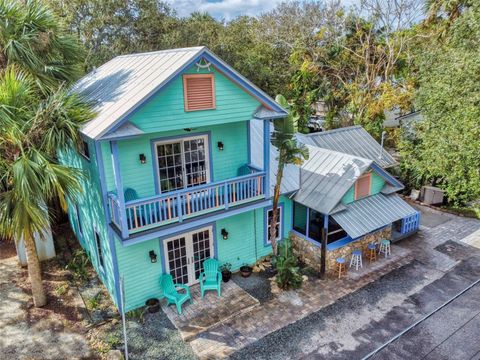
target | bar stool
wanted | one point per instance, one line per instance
(356, 259)
(341, 269)
(385, 247)
(372, 252)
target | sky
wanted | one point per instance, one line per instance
(228, 9)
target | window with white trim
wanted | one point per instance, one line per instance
(98, 244)
(278, 224)
(182, 163)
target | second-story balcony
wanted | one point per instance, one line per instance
(147, 213)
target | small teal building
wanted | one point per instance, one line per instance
(179, 168)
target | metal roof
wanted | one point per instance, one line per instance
(366, 215)
(326, 176)
(125, 130)
(353, 140)
(264, 113)
(122, 84)
(118, 85)
(291, 173)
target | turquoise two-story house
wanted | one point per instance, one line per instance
(179, 168)
(169, 176)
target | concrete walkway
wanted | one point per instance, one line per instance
(25, 338)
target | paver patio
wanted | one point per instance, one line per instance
(212, 310)
(217, 327)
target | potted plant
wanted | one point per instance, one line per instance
(153, 305)
(226, 273)
(246, 270)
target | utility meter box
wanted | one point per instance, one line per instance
(432, 195)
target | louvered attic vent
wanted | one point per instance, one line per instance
(199, 92)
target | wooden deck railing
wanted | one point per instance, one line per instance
(147, 213)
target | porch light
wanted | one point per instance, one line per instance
(220, 145)
(153, 256)
(143, 158)
(224, 234)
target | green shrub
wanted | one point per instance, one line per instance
(78, 265)
(136, 315)
(93, 302)
(61, 289)
(288, 272)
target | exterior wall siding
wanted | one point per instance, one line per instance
(92, 215)
(166, 110)
(141, 177)
(377, 185)
(245, 245)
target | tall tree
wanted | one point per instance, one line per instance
(290, 151)
(37, 118)
(445, 148)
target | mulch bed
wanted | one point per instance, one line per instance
(7, 248)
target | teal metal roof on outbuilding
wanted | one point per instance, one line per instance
(352, 140)
(374, 212)
(326, 176)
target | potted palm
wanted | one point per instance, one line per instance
(225, 269)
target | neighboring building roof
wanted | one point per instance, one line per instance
(121, 85)
(291, 173)
(402, 120)
(366, 215)
(353, 140)
(326, 176)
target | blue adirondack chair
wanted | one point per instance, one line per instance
(210, 278)
(173, 296)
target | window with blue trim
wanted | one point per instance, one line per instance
(278, 224)
(335, 231)
(98, 244)
(84, 150)
(79, 221)
(182, 163)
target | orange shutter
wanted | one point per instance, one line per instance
(199, 92)
(362, 186)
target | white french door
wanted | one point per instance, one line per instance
(185, 254)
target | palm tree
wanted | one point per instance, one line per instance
(31, 131)
(290, 151)
(33, 38)
(38, 117)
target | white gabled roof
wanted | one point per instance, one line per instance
(119, 86)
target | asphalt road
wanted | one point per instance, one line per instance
(451, 333)
(359, 323)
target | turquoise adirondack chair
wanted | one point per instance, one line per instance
(210, 278)
(173, 296)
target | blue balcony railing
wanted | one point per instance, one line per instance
(147, 213)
